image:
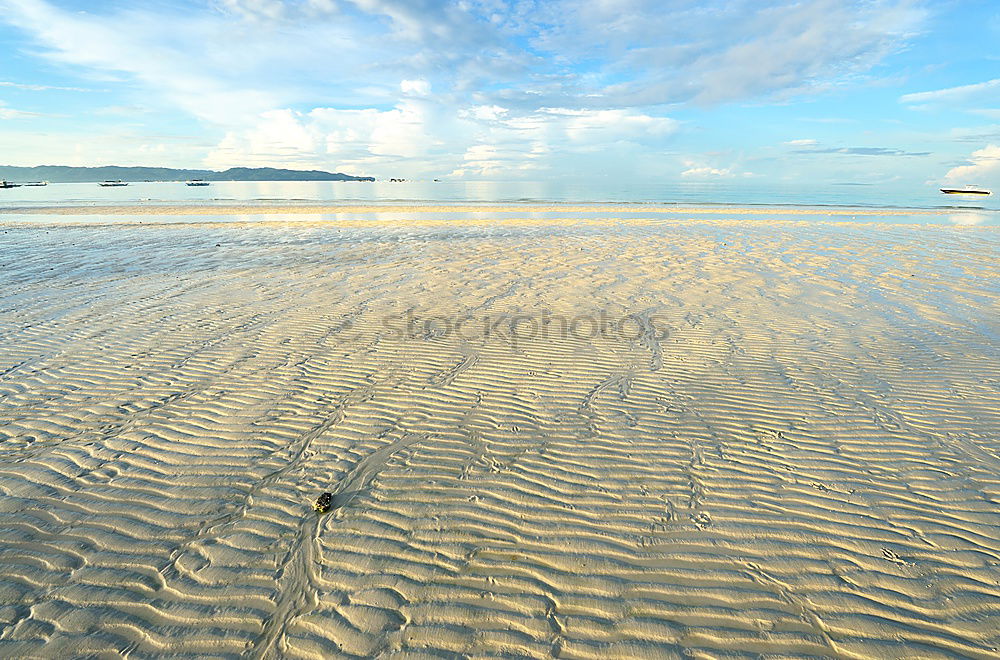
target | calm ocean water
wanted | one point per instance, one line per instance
(979, 210)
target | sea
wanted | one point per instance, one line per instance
(946, 209)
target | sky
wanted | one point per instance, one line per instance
(804, 92)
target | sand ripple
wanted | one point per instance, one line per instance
(784, 442)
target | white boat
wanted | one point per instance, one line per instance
(112, 184)
(968, 190)
(196, 182)
(8, 184)
(35, 184)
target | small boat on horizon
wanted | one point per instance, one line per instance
(196, 182)
(8, 184)
(968, 190)
(35, 184)
(112, 184)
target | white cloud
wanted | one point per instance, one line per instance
(715, 165)
(611, 125)
(562, 141)
(959, 94)
(705, 171)
(42, 88)
(8, 113)
(253, 55)
(713, 52)
(468, 86)
(221, 68)
(138, 44)
(422, 137)
(802, 143)
(269, 10)
(984, 164)
(487, 160)
(418, 87)
(820, 41)
(121, 110)
(484, 112)
(410, 138)
(11, 113)
(115, 147)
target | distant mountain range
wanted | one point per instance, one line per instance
(64, 174)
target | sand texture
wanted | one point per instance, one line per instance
(784, 442)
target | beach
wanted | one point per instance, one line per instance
(589, 437)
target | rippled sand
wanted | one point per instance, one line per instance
(583, 440)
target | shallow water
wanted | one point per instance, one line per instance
(952, 217)
(445, 192)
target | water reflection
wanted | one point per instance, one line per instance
(970, 219)
(513, 215)
(457, 192)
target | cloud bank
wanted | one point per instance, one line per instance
(984, 164)
(467, 87)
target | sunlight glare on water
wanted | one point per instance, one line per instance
(739, 193)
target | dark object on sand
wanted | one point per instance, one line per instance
(323, 502)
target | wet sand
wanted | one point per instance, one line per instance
(650, 438)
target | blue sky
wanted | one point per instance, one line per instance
(811, 91)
